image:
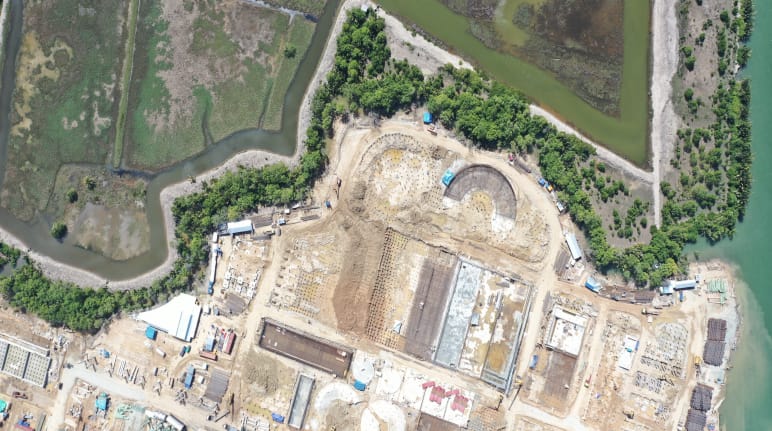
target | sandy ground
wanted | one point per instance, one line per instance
(254, 158)
(417, 50)
(59, 271)
(699, 309)
(664, 123)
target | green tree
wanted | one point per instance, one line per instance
(72, 195)
(689, 63)
(58, 230)
(90, 182)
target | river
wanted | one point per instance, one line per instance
(749, 393)
(36, 234)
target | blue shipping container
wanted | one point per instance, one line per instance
(277, 418)
(189, 376)
(534, 361)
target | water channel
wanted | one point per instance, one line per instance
(36, 233)
(626, 135)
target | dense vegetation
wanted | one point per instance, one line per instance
(365, 80)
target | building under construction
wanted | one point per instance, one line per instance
(322, 354)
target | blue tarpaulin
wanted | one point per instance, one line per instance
(151, 332)
(592, 284)
(359, 385)
(448, 177)
(427, 118)
(101, 402)
(277, 418)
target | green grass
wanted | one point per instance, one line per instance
(78, 93)
(300, 33)
(128, 59)
(149, 148)
(248, 74)
(239, 105)
(209, 37)
(626, 135)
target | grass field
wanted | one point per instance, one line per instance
(300, 33)
(64, 97)
(188, 92)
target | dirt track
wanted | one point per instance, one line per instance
(664, 42)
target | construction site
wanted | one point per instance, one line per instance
(424, 286)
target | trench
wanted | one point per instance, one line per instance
(35, 234)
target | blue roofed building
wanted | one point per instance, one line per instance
(101, 402)
(593, 284)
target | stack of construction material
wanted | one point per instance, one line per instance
(713, 353)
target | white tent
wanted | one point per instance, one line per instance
(178, 317)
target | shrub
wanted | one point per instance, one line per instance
(58, 230)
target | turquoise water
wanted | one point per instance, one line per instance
(749, 393)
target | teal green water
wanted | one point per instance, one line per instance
(626, 135)
(749, 392)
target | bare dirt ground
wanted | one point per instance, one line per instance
(413, 47)
(391, 179)
(258, 158)
(664, 122)
(325, 64)
(119, 234)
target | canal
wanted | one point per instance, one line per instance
(626, 135)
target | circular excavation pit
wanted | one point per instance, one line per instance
(489, 180)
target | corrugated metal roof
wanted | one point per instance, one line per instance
(242, 226)
(573, 246)
(682, 284)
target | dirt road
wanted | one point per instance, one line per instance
(664, 123)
